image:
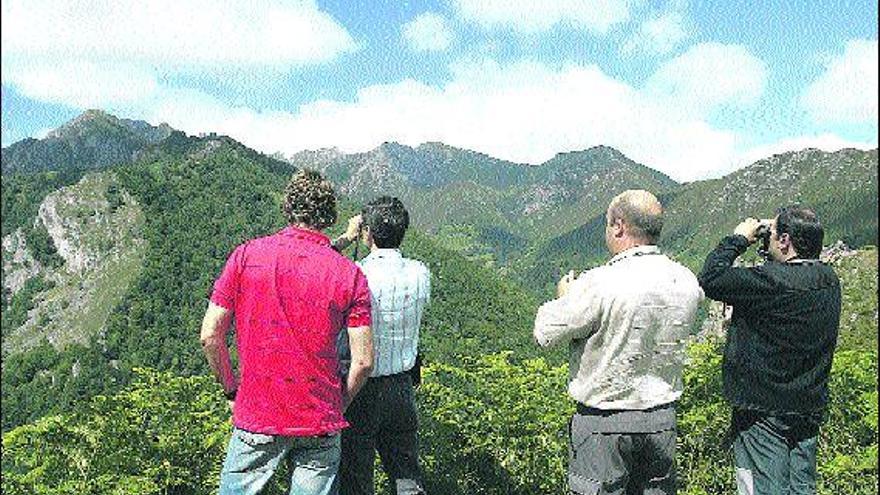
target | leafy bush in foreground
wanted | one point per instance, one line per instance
(164, 434)
(489, 426)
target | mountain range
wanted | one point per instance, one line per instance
(447, 187)
(114, 229)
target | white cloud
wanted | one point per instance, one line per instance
(43, 133)
(115, 54)
(82, 84)
(658, 35)
(846, 92)
(525, 112)
(428, 32)
(708, 76)
(169, 33)
(531, 16)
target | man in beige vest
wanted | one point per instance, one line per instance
(625, 323)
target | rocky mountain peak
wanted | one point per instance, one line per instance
(81, 123)
(93, 139)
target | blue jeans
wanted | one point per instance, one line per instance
(774, 455)
(252, 459)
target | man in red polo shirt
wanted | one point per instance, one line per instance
(290, 295)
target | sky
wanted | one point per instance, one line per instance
(693, 89)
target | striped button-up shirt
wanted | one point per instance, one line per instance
(400, 288)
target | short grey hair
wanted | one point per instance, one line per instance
(640, 211)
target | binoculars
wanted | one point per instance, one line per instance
(763, 235)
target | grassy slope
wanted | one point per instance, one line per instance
(858, 318)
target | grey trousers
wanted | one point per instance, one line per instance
(622, 453)
(774, 454)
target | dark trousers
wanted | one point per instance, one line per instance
(623, 452)
(774, 454)
(383, 419)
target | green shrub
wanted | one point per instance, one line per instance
(493, 426)
(164, 434)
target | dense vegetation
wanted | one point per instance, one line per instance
(133, 411)
(22, 194)
(197, 210)
(492, 423)
(446, 186)
(841, 186)
(489, 426)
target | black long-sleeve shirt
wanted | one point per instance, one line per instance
(783, 331)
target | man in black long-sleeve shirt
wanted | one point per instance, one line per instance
(779, 348)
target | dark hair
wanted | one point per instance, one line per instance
(643, 222)
(309, 199)
(803, 227)
(387, 220)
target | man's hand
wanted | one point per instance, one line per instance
(351, 231)
(564, 283)
(748, 229)
(350, 235)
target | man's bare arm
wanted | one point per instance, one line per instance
(213, 336)
(360, 341)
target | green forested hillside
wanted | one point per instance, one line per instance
(490, 425)
(129, 408)
(841, 186)
(197, 205)
(478, 194)
(94, 139)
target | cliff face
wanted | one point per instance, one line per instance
(18, 263)
(96, 230)
(89, 221)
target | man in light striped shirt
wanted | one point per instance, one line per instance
(383, 415)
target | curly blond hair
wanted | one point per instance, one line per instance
(309, 199)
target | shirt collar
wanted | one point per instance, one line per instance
(634, 251)
(383, 254)
(306, 235)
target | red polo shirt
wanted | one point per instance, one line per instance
(291, 294)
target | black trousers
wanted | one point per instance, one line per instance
(383, 419)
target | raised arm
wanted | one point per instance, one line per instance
(570, 316)
(722, 281)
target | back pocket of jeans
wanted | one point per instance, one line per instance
(254, 439)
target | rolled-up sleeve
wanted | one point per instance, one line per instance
(359, 311)
(571, 316)
(426, 285)
(226, 285)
